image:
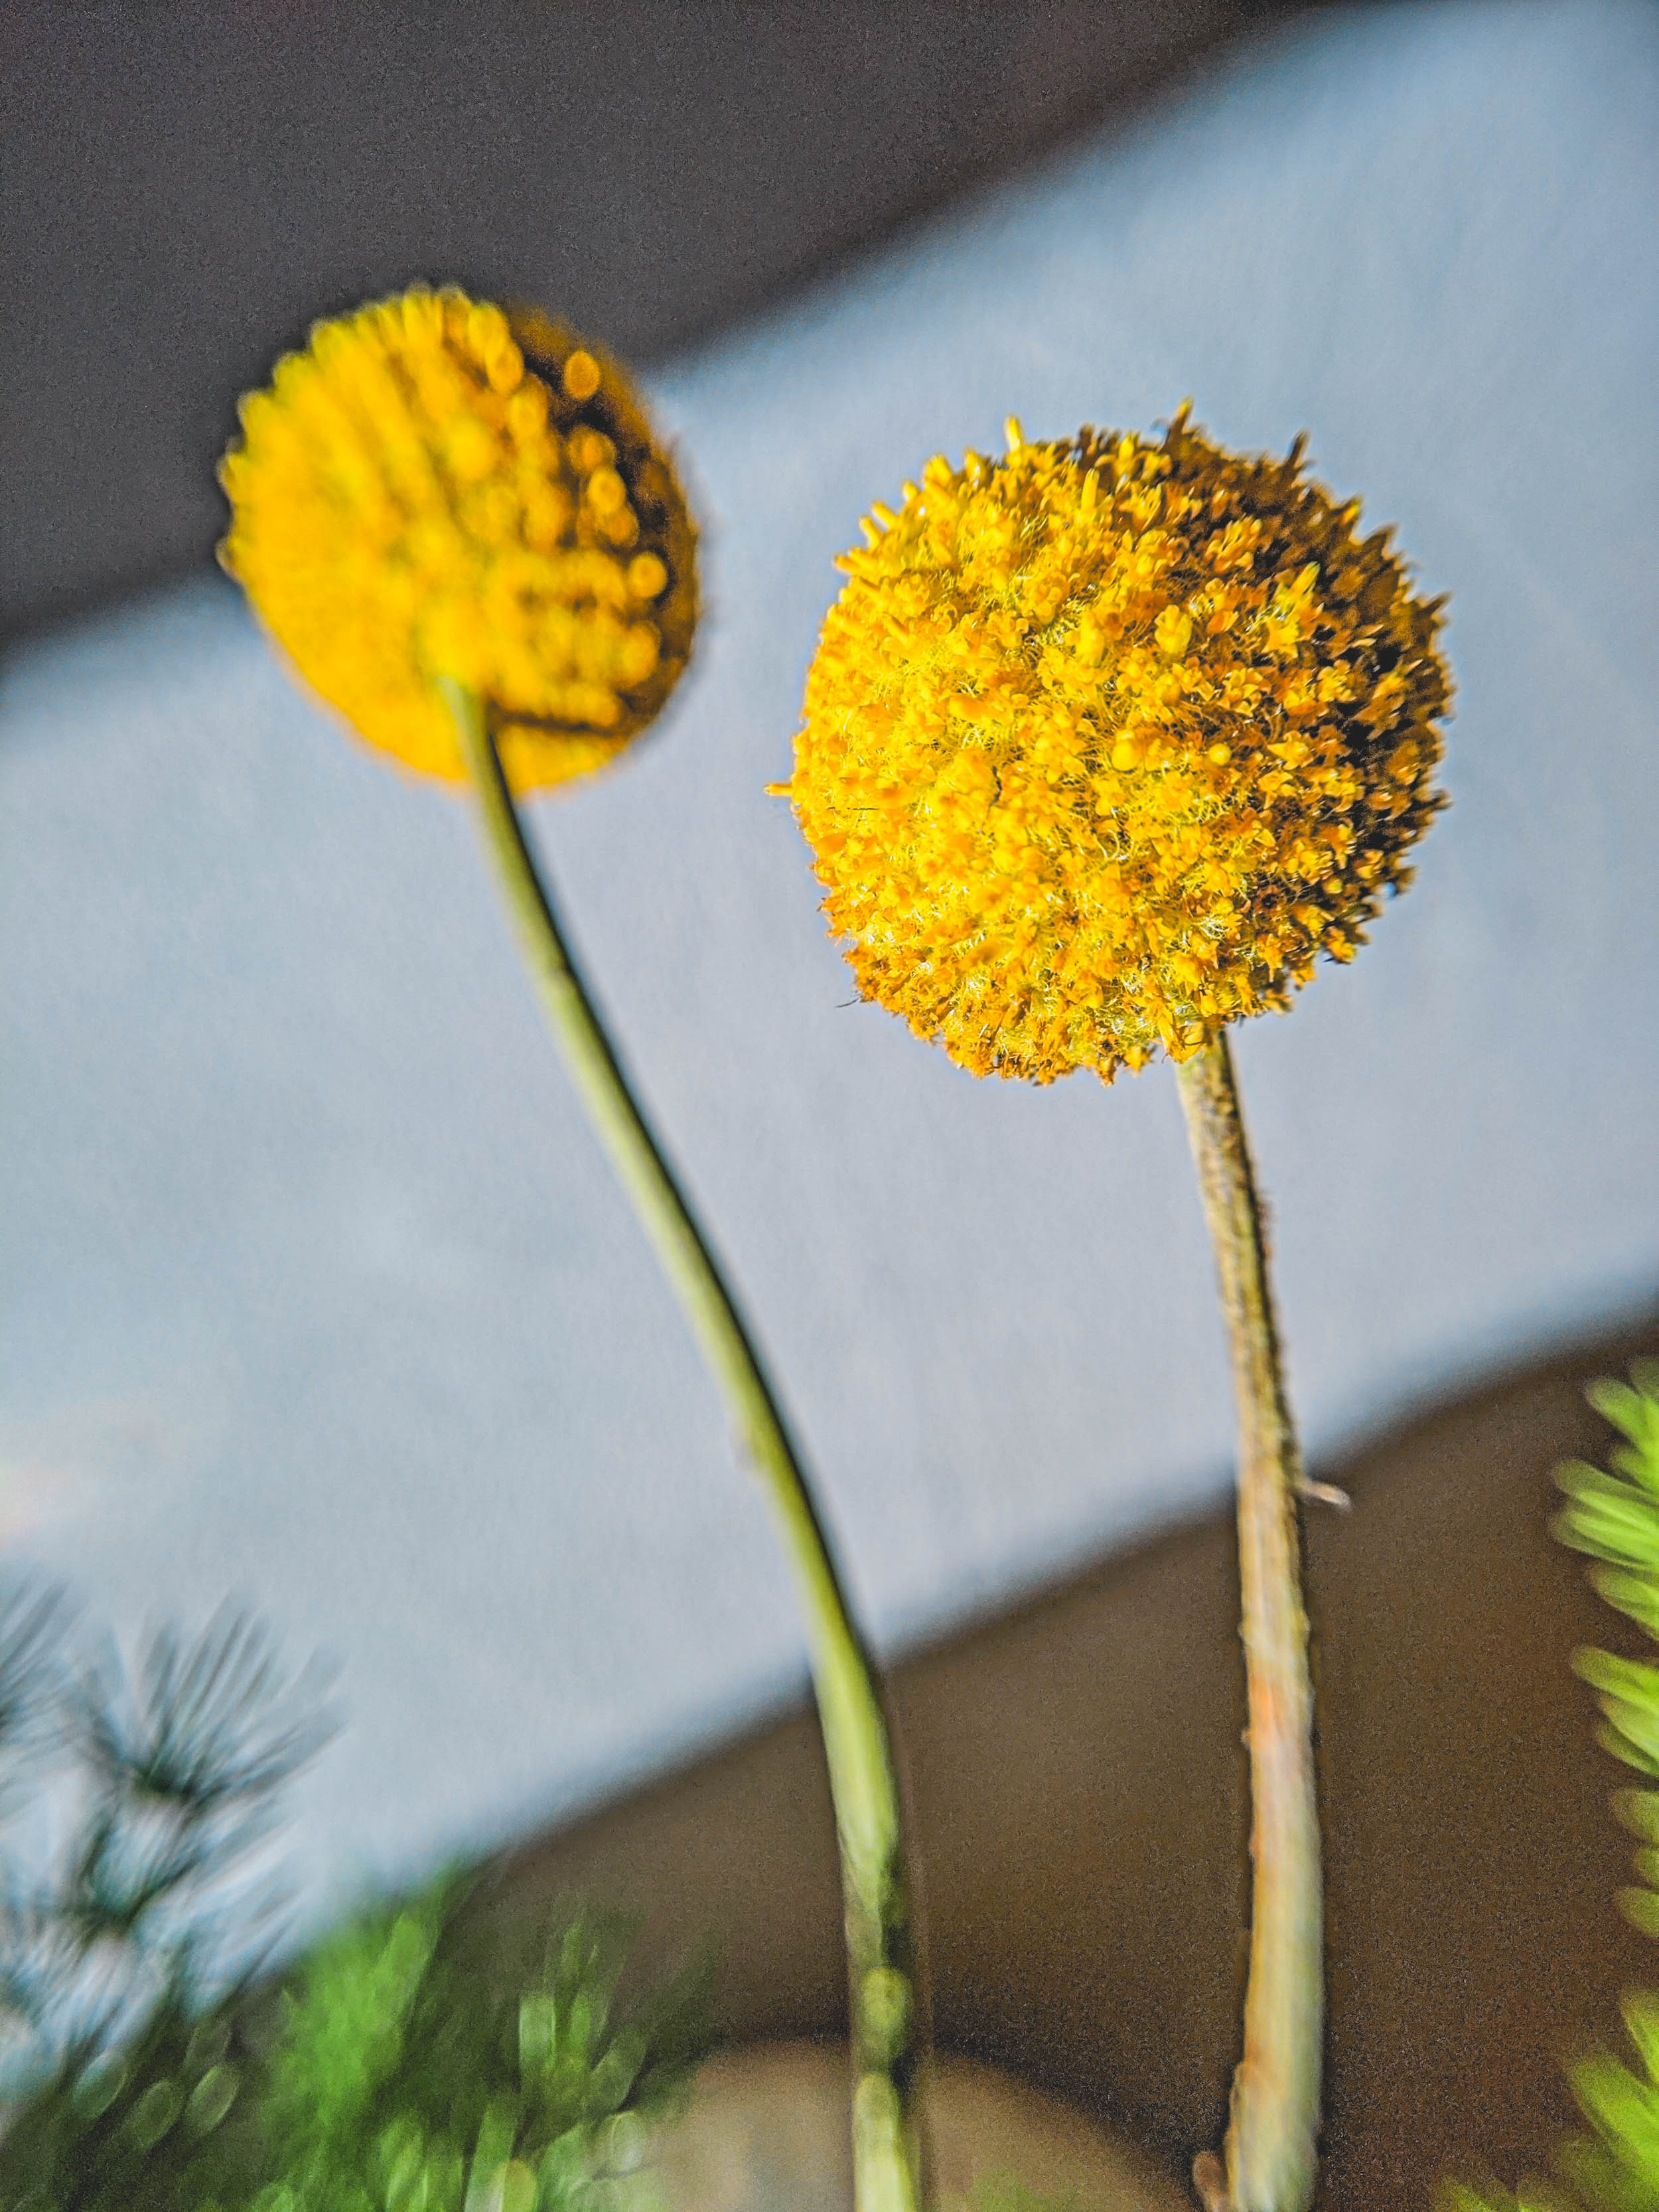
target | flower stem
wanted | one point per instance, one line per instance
(1271, 2141)
(888, 2018)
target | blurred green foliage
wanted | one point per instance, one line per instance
(397, 2068)
(406, 2063)
(137, 1902)
(414, 2074)
(1613, 1515)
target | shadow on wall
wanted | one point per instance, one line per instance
(1078, 1777)
(651, 170)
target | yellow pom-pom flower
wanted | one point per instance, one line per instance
(434, 488)
(1105, 742)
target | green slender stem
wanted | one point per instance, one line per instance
(1272, 2139)
(888, 2018)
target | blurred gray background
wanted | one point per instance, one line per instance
(189, 183)
(315, 1289)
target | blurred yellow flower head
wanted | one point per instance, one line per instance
(435, 488)
(1104, 742)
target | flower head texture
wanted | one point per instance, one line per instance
(434, 488)
(1103, 743)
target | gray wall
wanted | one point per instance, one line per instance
(189, 183)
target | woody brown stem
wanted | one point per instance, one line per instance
(1274, 2125)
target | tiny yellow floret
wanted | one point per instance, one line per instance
(437, 488)
(1104, 743)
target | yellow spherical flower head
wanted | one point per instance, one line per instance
(435, 488)
(1104, 742)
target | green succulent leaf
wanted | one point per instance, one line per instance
(1606, 1517)
(1630, 1592)
(1612, 1515)
(1639, 1811)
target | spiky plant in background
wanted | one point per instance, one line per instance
(134, 1910)
(162, 1785)
(153, 2065)
(397, 2068)
(1613, 1514)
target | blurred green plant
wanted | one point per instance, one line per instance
(397, 2068)
(1613, 1515)
(413, 2075)
(134, 1804)
(134, 1912)
(160, 2123)
(153, 2065)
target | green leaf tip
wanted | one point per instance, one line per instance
(1612, 1515)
